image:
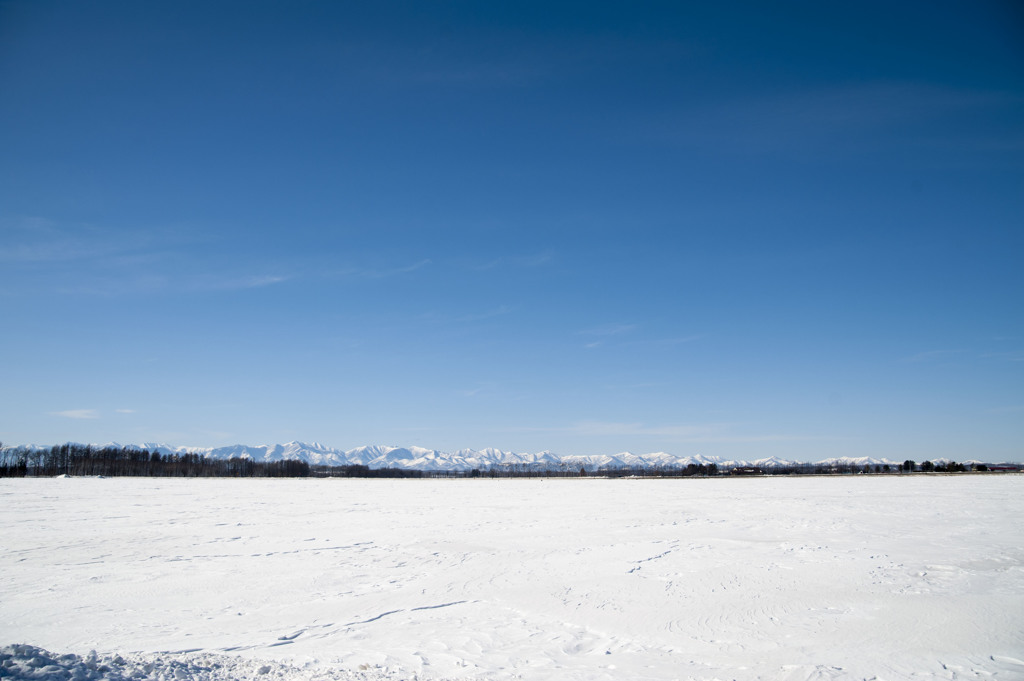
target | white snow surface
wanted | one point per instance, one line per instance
(847, 577)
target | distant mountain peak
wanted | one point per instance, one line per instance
(424, 459)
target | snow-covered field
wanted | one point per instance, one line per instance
(765, 578)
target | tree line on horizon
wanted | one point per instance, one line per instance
(88, 460)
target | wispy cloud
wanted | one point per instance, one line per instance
(499, 311)
(155, 283)
(36, 240)
(125, 411)
(381, 272)
(673, 340)
(78, 413)
(234, 283)
(444, 318)
(604, 332)
(98, 261)
(933, 355)
(609, 330)
(103, 262)
(825, 120)
(480, 63)
(401, 270)
(940, 355)
(516, 261)
(1012, 356)
(481, 388)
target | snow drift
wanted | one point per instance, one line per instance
(757, 579)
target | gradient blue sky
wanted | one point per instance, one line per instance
(728, 228)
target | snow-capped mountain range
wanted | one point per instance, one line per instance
(419, 458)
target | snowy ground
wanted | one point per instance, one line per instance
(790, 579)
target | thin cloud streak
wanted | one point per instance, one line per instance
(381, 273)
(933, 355)
(1017, 356)
(97, 261)
(499, 311)
(609, 330)
(605, 333)
(437, 318)
(77, 413)
(517, 261)
(238, 283)
(679, 340)
(157, 283)
(36, 240)
(831, 119)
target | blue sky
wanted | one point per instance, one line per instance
(734, 229)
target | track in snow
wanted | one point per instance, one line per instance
(759, 579)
